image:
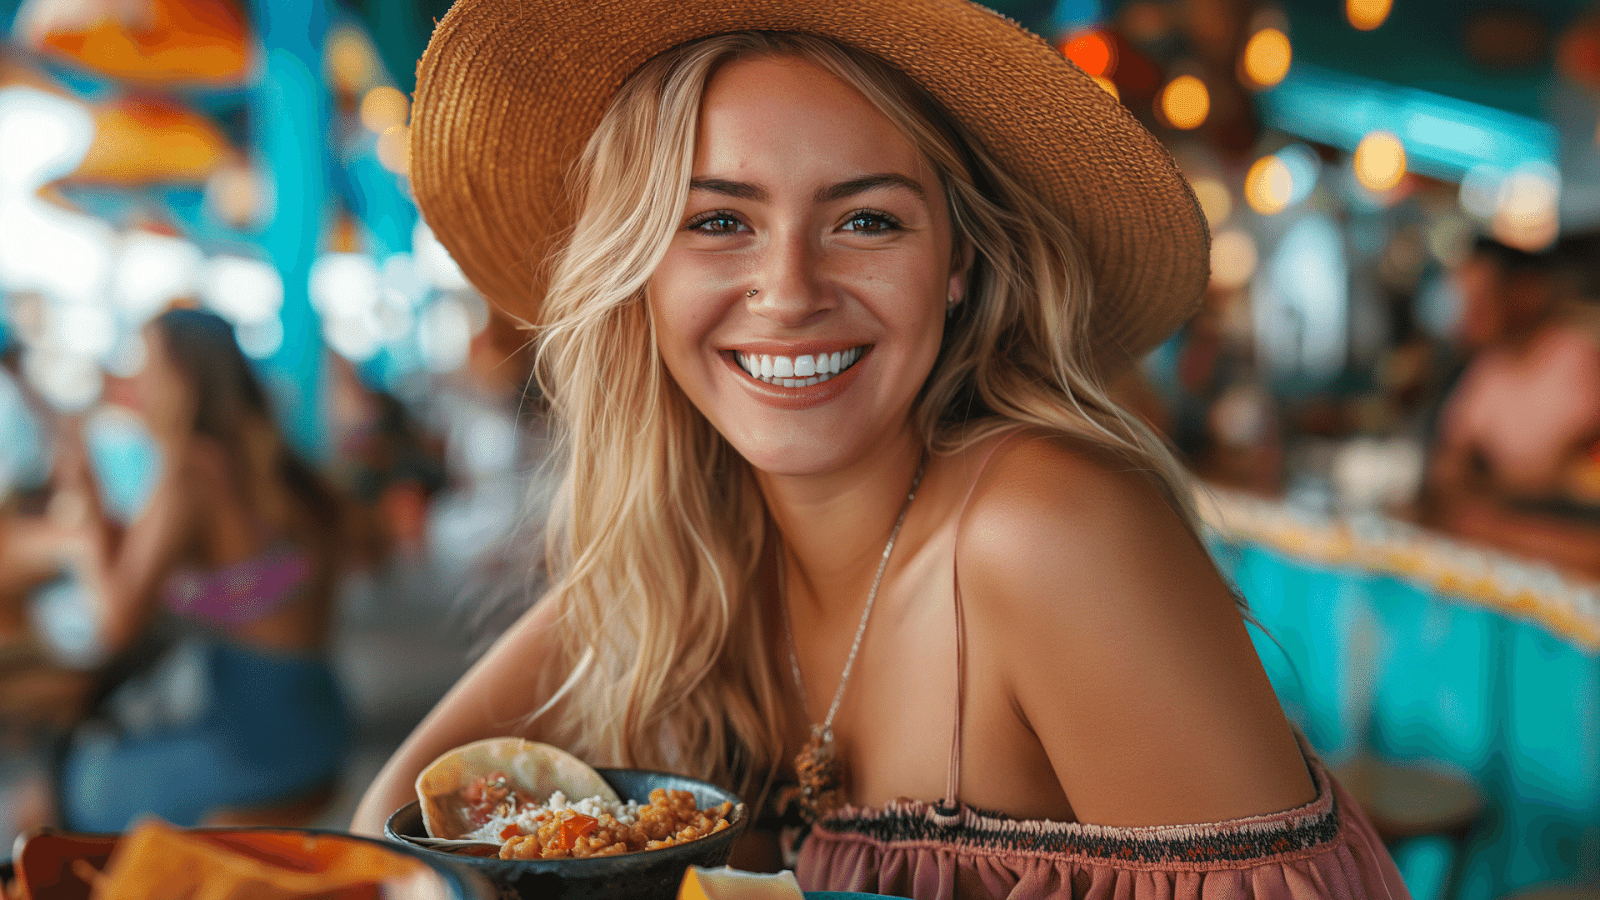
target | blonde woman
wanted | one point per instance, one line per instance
(847, 519)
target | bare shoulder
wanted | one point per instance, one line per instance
(1053, 515)
(1124, 650)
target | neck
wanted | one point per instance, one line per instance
(834, 526)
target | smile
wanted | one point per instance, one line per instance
(797, 371)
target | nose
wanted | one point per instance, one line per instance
(790, 287)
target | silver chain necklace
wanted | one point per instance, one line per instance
(820, 772)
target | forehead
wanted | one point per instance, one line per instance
(788, 113)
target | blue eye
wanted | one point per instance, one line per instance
(715, 222)
(871, 221)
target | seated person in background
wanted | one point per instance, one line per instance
(239, 544)
(1518, 434)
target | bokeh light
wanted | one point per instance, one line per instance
(1267, 56)
(1185, 102)
(394, 149)
(1215, 201)
(1092, 51)
(350, 60)
(1268, 186)
(1366, 15)
(1528, 216)
(1233, 259)
(383, 108)
(1380, 161)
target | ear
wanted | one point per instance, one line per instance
(960, 269)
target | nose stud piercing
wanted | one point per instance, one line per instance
(752, 292)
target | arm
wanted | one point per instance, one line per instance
(1068, 557)
(492, 699)
(124, 569)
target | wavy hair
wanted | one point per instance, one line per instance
(657, 531)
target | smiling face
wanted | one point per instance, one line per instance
(806, 194)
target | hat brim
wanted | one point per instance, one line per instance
(509, 91)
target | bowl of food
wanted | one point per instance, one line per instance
(538, 823)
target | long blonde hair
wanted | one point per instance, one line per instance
(657, 531)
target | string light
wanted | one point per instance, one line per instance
(1185, 102)
(1093, 52)
(384, 107)
(394, 149)
(1214, 200)
(1266, 58)
(1268, 186)
(1366, 15)
(1380, 161)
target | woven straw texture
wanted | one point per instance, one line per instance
(508, 92)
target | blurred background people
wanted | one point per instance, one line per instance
(1518, 433)
(235, 558)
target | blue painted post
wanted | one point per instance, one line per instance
(289, 112)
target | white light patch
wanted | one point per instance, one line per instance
(54, 251)
(42, 138)
(240, 289)
(434, 262)
(444, 333)
(151, 271)
(70, 382)
(260, 339)
(344, 285)
(82, 328)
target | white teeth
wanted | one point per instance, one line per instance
(799, 371)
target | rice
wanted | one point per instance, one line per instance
(527, 819)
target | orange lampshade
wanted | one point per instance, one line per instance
(141, 140)
(151, 42)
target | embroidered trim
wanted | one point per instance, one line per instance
(1240, 840)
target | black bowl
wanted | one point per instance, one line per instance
(645, 875)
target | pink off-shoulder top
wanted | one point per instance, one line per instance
(1325, 850)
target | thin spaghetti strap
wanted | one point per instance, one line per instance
(954, 779)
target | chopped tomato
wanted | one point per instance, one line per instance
(576, 826)
(510, 831)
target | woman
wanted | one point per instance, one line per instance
(238, 541)
(847, 517)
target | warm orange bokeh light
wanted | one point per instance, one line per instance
(1380, 161)
(1185, 102)
(1268, 185)
(383, 108)
(1214, 200)
(1233, 259)
(350, 63)
(1367, 14)
(394, 149)
(1093, 52)
(1266, 57)
(1108, 86)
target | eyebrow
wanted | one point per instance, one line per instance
(743, 190)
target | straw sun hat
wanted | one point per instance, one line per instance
(508, 91)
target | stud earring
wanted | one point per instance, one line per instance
(752, 292)
(950, 306)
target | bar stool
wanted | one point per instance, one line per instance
(1422, 812)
